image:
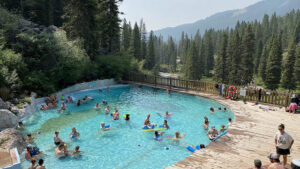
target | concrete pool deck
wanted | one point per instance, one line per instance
(250, 137)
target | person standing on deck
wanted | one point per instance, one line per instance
(283, 143)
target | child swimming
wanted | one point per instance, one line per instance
(107, 109)
(222, 129)
(206, 123)
(74, 133)
(165, 125)
(158, 136)
(116, 114)
(103, 127)
(97, 107)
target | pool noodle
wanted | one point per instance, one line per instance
(159, 129)
(215, 139)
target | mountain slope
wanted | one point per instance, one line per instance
(229, 18)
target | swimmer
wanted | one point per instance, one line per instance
(229, 122)
(206, 123)
(107, 109)
(177, 136)
(88, 98)
(212, 133)
(168, 114)
(222, 129)
(62, 97)
(61, 151)
(74, 133)
(76, 151)
(116, 114)
(107, 89)
(147, 120)
(100, 90)
(40, 166)
(165, 125)
(158, 136)
(212, 110)
(44, 107)
(57, 140)
(224, 110)
(32, 152)
(97, 107)
(201, 146)
(32, 165)
(127, 117)
(102, 126)
(21, 126)
(104, 102)
(78, 103)
(219, 108)
(70, 99)
(63, 106)
(30, 139)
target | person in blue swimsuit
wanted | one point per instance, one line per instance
(74, 133)
(158, 136)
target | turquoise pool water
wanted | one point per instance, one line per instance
(119, 147)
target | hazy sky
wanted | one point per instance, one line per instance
(159, 14)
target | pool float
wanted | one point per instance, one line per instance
(107, 126)
(231, 90)
(191, 149)
(124, 115)
(146, 127)
(162, 126)
(158, 129)
(215, 139)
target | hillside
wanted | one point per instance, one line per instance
(229, 18)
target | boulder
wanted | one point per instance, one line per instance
(11, 138)
(7, 119)
(15, 101)
(14, 110)
(3, 105)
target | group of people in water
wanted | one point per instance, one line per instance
(61, 149)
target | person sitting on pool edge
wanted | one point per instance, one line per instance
(103, 127)
(74, 133)
(206, 123)
(177, 136)
(57, 140)
(158, 136)
(212, 133)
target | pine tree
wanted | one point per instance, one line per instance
(143, 32)
(297, 66)
(263, 61)
(191, 65)
(297, 33)
(247, 56)
(80, 23)
(266, 28)
(288, 81)
(135, 45)
(258, 53)
(172, 54)
(221, 74)
(273, 69)
(150, 59)
(234, 74)
(209, 53)
(109, 24)
(126, 34)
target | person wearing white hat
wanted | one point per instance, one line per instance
(275, 162)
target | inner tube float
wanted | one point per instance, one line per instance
(231, 89)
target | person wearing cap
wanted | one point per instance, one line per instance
(275, 162)
(283, 143)
(212, 133)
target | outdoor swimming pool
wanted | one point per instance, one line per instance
(119, 147)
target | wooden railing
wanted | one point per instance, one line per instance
(252, 94)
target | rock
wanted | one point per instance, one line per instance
(52, 28)
(7, 119)
(14, 110)
(11, 138)
(15, 101)
(3, 105)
